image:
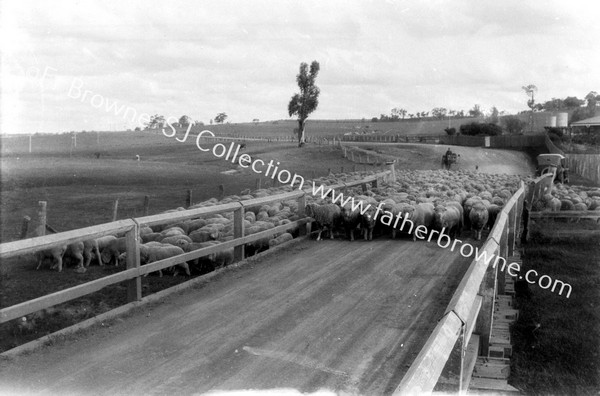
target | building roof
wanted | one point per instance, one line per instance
(594, 121)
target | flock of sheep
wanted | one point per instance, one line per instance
(436, 199)
(566, 197)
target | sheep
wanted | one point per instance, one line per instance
(367, 223)
(193, 225)
(205, 233)
(177, 240)
(206, 263)
(285, 237)
(95, 245)
(351, 220)
(421, 214)
(155, 251)
(493, 211)
(152, 237)
(325, 216)
(478, 218)
(113, 250)
(223, 258)
(75, 251)
(449, 216)
(255, 247)
(55, 254)
(172, 231)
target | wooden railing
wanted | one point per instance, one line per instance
(130, 228)
(471, 308)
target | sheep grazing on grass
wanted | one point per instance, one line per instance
(326, 216)
(351, 220)
(478, 218)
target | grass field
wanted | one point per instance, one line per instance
(80, 190)
(556, 340)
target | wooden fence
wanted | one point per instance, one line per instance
(586, 165)
(471, 308)
(130, 228)
(506, 142)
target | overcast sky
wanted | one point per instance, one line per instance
(199, 58)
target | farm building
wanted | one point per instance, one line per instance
(587, 126)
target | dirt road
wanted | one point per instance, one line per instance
(429, 156)
(337, 315)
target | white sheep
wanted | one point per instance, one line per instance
(326, 216)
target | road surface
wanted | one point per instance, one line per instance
(329, 315)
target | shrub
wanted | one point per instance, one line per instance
(476, 128)
(450, 131)
(513, 125)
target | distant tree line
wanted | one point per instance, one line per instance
(439, 113)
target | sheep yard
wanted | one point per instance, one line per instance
(80, 188)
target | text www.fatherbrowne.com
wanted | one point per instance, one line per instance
(402, 223)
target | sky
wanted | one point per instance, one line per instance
(107, 65)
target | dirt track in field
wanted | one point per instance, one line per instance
(337, 315)
(493, 161)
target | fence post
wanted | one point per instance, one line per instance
(392, 170)
(221, 191)
(301, 209)
(375, 183)
(514, 226)
(484, 323)
(364, 187)
(258, 183)
(146, 205)
(188, 201)
(342, 170)
(134, 286)
(41, 230)
(25, 226)
(238, 232)
(115, 209)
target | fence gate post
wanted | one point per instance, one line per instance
(134, 286)
(146, 205)
(41, 230)
(188, 201)
(25, 227)
(115, 209)
(238, 232)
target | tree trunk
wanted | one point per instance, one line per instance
(301, 137)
